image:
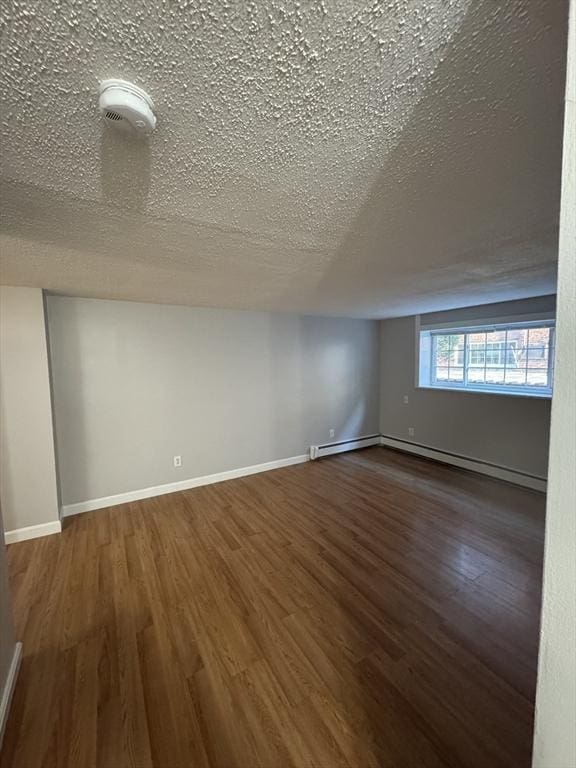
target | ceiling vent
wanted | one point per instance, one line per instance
(126, 107)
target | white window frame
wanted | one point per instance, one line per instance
(426, 365)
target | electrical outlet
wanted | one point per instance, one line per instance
(405, 399)
(332, 433)
(410, 431)
(177, 461)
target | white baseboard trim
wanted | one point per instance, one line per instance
(181, 485)
(32, 532)
(466, 462)
(8, 691)
(329, 449)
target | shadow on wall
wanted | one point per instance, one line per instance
(341, 379)
(67, 393)
(423, 195)
(323, 373)
(6, 488)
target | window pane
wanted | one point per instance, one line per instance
(516, 363)
(476, 374)
(495, 375)
(537, 377)
(441, 373)
(539, 337)
(449, 348)
(493, 337)
(456, 374)
(441, 345)
(515, 376)
(477, 349)
(448, 351)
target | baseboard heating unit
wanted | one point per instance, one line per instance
(329, 449)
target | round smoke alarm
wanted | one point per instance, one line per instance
(126, 107)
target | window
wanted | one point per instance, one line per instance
(514, 358)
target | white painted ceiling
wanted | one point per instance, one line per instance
(330, 157)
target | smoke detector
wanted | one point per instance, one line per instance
(126, 107)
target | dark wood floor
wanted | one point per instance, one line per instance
(371, 609)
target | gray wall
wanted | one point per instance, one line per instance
(27, 460)
(508, 431)
(136, 384)
(555, 722)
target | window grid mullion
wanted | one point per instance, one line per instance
(527, 357)
(465, 361)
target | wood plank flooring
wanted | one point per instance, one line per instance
(371, 609)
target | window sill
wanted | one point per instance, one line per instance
(479, 391)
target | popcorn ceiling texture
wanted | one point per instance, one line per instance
(331, 157)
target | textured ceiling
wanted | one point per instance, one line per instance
(330, 157)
